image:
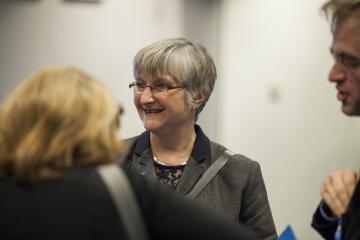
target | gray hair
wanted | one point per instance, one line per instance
(187, 62)
(340, 9)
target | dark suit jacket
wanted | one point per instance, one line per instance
(237, 191)
(350, 220)
(78, 206)
(324, 227)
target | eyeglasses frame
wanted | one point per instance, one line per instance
(133, 84)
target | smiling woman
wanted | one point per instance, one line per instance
(174, 79)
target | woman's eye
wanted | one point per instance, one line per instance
(140, 85)
(160, 86)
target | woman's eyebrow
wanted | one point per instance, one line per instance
(163, 79)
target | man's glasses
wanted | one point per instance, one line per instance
(139, 87)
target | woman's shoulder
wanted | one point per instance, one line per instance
(236, 159)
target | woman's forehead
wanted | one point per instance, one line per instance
(154, 77)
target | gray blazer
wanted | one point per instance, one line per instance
(237, 191)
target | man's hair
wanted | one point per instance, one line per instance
(58, 119)
(185, 61)
(340, 9)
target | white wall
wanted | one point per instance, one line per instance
(277, 106)
(100, 38)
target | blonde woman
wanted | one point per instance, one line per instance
(54, 128)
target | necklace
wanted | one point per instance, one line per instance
(164, 164)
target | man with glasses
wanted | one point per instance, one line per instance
(174, 78)
(338, 215)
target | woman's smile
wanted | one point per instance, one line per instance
(152, 110)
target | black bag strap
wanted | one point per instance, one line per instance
(125, 201)
(210, 173)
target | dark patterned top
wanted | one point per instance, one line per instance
(169, 175)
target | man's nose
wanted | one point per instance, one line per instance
(337, 72)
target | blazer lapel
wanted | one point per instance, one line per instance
(192, 173)
(144, 165)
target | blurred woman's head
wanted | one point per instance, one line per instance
(188, 63)
(56, 120)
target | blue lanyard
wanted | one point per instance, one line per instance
(337, 235)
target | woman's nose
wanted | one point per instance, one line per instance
(147, 96)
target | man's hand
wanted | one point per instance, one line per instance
(338, 188)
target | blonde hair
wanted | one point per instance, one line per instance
(56, 120)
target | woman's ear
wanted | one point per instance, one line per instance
(198, 101)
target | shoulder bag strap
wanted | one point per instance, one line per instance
(210, 173)
(125, 201)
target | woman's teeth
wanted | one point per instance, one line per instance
(153, 110)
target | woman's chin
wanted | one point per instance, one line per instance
(152, 127)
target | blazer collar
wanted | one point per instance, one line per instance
(142, 164)
(199, 153)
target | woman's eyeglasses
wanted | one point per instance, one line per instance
(139, 87)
